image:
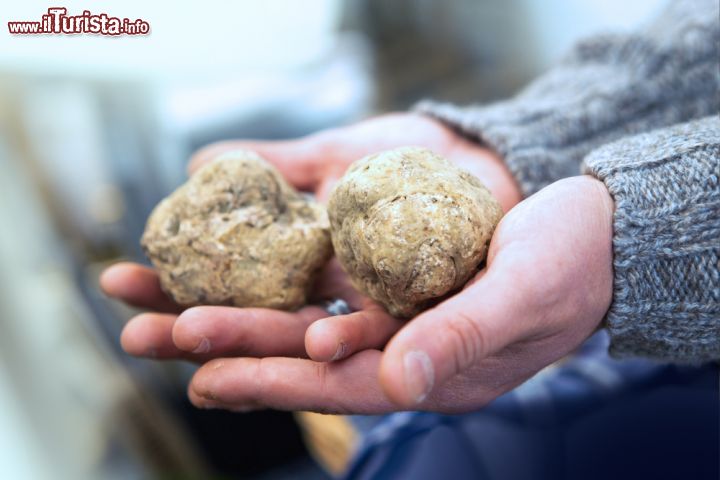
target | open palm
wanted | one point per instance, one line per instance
(313, 164)
(546, 288)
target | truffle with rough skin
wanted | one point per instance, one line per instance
(409, 227)
(237, 234)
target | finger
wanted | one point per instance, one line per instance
(299, 161)
(137, 285)
(338, 337)
(150, 335)
(440, 343)
(291, 384)
(255, 332)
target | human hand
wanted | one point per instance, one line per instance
(313, 163)
(546, 287)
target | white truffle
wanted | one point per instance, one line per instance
(237, 234)
(409, 227)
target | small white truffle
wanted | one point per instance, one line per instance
(237, 234)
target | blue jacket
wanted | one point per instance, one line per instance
(591, 417)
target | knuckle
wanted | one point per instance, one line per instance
(263, 379)
(324, 402)
(321, 372)
(467, 339)
(243, 342)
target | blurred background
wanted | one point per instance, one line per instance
(95, 130)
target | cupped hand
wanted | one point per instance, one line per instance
(314, 164)
(546, 288)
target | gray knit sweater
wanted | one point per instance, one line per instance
(580, 117)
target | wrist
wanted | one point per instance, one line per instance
(602, 212)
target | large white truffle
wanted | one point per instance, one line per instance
(409, 227)
(237, 234)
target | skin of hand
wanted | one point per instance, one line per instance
(313, 163)
(545, 289)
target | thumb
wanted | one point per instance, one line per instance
(442, 342)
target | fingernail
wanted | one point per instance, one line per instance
(419, 375)
(203, 346)
(340, 352)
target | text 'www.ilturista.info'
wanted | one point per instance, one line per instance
(57, 21)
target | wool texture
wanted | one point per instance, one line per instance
(629, 110)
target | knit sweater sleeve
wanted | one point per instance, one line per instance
(666, 242)
(608, 87)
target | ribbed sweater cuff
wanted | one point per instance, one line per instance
(610, 86)
(666, 188)
(520, 139)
